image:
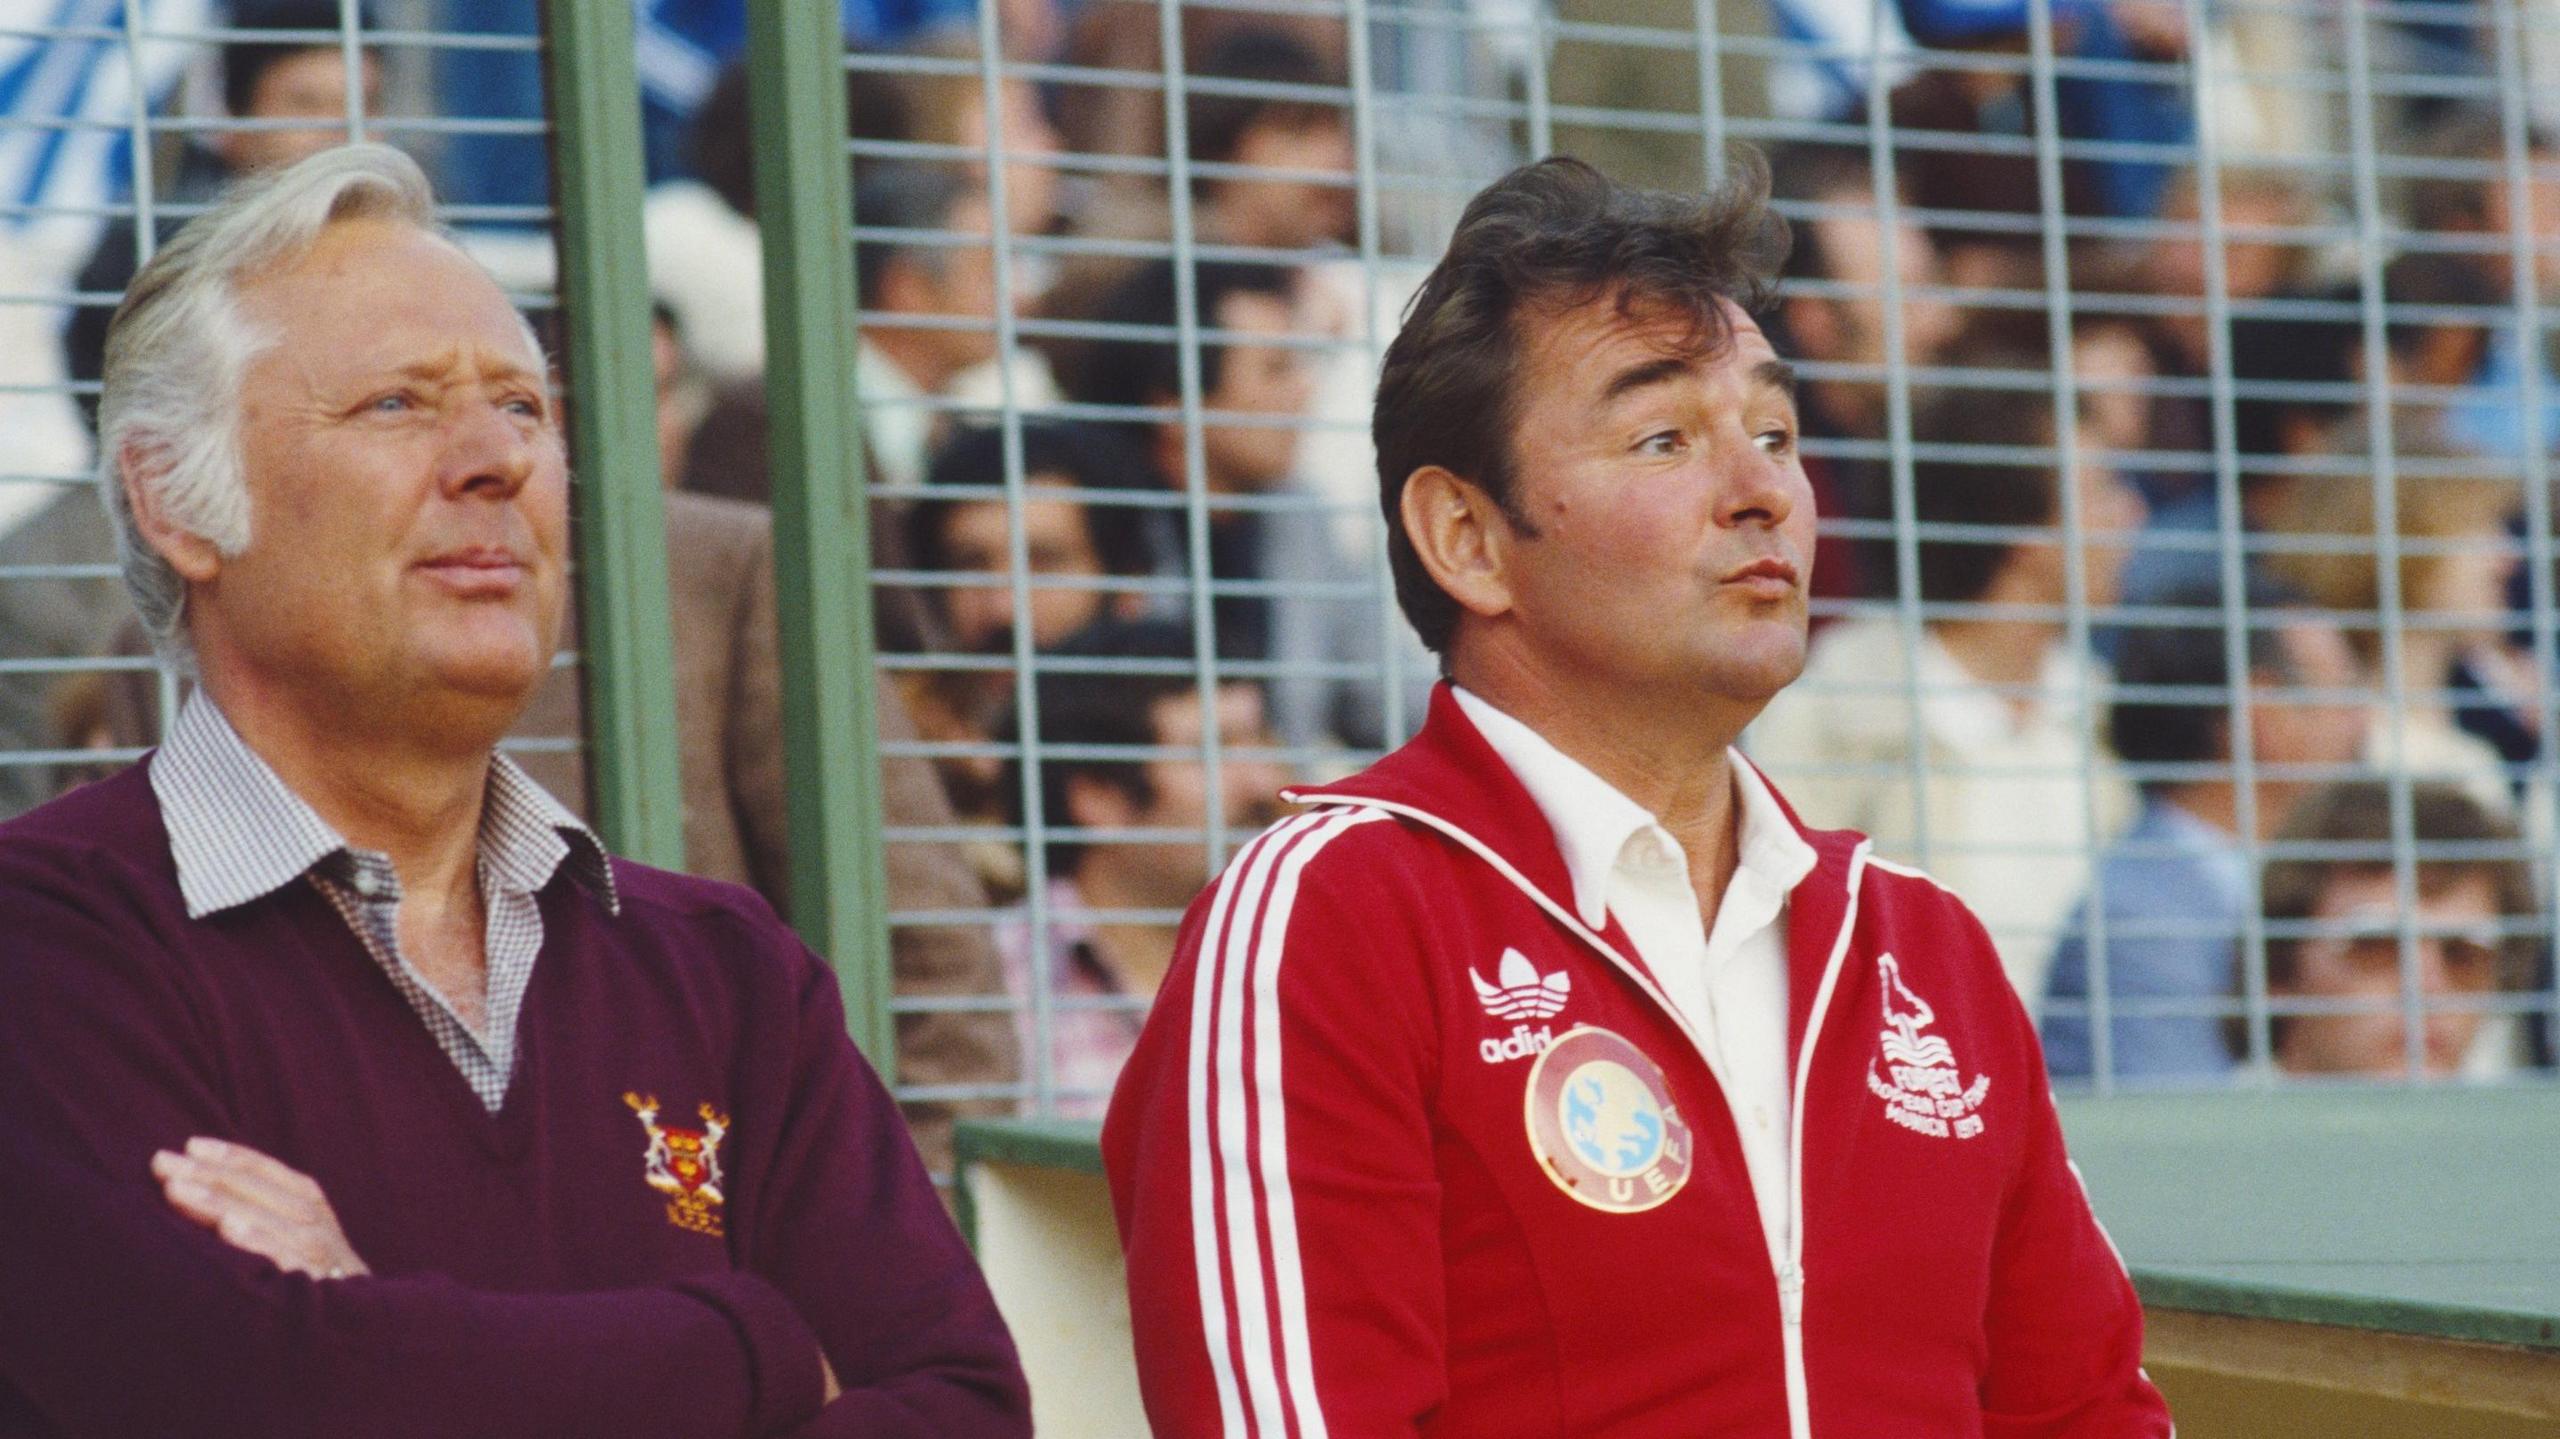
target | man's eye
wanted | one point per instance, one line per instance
(1665, 443)
(391, 404)
(1775, 442)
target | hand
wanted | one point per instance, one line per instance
(258, 1204)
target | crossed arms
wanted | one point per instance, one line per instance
(181, 1296)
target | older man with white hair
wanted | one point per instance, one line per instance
(351, 1087)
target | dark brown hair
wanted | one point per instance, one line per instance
(1148, 372)
(2007, 478)
(1552, 235)
(720, 140)
(2456, 197)
(1266, 55)
(1082, 710)
(246, 61)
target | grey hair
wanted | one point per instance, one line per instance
(179, 348)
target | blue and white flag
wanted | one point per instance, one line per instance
(67, 111)
(1829, 80)
(682, 45)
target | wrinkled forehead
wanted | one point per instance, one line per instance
(375, 284)
(1577, 348)
(1620, 314)
(1748, 342)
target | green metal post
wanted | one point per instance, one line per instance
(822, 546)
(626, 646)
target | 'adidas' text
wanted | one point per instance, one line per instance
(1520, 1045)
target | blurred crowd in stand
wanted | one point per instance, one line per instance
(2146, 559)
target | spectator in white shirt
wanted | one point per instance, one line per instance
(929, 309)
(1978, 755)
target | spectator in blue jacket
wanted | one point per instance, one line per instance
(2174, 888)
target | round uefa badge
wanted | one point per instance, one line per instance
(1603, 1126)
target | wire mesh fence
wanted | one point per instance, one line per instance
(2174, 389)
(122, 122)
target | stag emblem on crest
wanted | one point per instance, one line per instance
(1915, 1072)
(684, 1165)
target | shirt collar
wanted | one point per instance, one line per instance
(527, 834)
(1593, 819)
(1773, 849)
(237, 832)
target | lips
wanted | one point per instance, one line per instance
(481, 571)
(1770, 575)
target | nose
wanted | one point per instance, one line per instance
(1759, 489)
(489, 451)
(1928, 324)
(2450, 1026)
(1297, 377)
(978, 612)
(2435, 974)
(1042, 138)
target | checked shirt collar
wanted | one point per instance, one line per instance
(239, 834)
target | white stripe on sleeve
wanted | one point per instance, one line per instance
(1205, 1222)
(1289, 1275)
(1246, 936)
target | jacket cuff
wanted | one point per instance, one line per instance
(785, 1385)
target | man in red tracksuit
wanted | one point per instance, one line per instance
(1549, 1078)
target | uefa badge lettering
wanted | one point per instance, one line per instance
(1603, 1126)
(1521, 994)
(684, 1165)
(1915, 1072)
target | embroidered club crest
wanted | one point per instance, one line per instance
(1522, 994)
(1603, 1126)
(684, 1165)
(1915, 1072)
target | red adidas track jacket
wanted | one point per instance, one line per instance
(1407, 1150)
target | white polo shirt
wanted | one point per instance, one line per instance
(1729, 985)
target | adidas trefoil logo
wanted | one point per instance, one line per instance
(1522, 994)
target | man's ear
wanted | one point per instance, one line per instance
(140, 466)
(1462, 538)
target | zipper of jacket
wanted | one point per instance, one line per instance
(1789, 1268)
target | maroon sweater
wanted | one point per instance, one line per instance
(527, 1278)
